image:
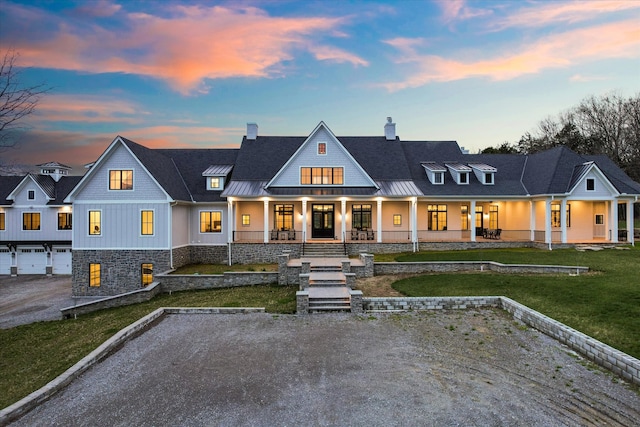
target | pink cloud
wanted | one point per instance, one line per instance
(87, 109)
(615, 40)
(98, 8)
(191, 45)
(457, 10)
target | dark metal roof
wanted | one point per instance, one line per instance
(217, 170)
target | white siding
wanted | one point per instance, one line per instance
(48, 225)
(120, 226)
(97, 188)
(22, 197)
(336, 156)
(208, 238)
(602, 189)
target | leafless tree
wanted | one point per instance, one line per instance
(16, 101)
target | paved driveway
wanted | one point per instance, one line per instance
(471, 367)
(33, 298)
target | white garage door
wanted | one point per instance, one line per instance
(32, 261)
(5, 261)
(61, 261)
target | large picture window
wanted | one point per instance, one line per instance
(361, 217)
(437, 217)
(493, 217)
(64, 221)
(555, 215)
(283, 217)
(464, 217)
(31, 221)
(321, 176)
(210, 222)
(95, 223)
(146, 223)
(121, 180)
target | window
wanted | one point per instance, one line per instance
(322, 148)
(31, 194)
(64, 221)
(438, 178)
(2, 221)
(246, 220)
(147, 274)
(214, 182)
(211, 222)
(321, 176)
(361, 217)
(464, 178)
(94, 275)
(31, 221)
(599, 219)
(591, 184)
(464, 217)
(397, 219)
(283, 217)
(121, 180)
(488, 178)
(95, 225)
(493, 217)
(555, 215)
(437, 217)
(146, 223)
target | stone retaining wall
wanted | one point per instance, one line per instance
(127, 298)
(428, 303)
(381, 268)
(231, 279)
(262, 253)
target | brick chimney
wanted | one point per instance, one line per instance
(252, 131)
(390, 130)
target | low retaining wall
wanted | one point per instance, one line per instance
(601, 354)
(128, 298)
(381, 268)
(183, 282)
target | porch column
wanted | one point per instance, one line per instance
(414, 221)
(379, 221)
(547, 221)
(232, 223)
(472, 220)
(304, 220)
(266, 221)
(630, 222)
(563, 220)
(532, 221)
(343, 219)
(613, 220)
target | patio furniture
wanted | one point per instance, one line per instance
(354, 234)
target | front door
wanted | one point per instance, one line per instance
(323, 222)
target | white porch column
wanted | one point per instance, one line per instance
(266, 221)
(532, 221)
(379, 218)
(563, 220)
(231, 220)
(414, 221)
(547, 221)
(304, 220)
(613, 220)
(630, 222)
(472, 220)
(343, 219)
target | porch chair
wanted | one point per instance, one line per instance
(497, 235)
(354, 234)
(292, 235)
(370, 234)
(274, 234)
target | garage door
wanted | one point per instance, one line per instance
(32, 261)
(61, 261)
(5, 261)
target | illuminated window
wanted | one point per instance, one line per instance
(493, 217)
(121, 180)
(64, 221)
(361, 217)
(214, 182)
(1, 220)
(31, 221)
(147, 274)
(283, 217)
(464, 217)
(555, 215)
(246, 219)
(437, 217)
(321, 176)
(397, 219)
(95, 225)
(94, 275)
(322, 148)
(146, 223)
(210, 222)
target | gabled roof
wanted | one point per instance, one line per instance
(7, 185)
(433, 167)
(55, 191)
(53, 165)
(217, 170)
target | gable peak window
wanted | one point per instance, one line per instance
(591, 184)
(121, 179)
(31, 195)
(321, 176)
(322, 148)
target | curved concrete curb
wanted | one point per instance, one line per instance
(24, 405)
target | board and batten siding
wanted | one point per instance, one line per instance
(48, 225)
(121, 226)
(97, 188)
(308, 157)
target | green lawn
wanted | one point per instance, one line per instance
(604, 304)
(32, 355)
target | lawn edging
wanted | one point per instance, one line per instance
(382, 268)
(601, 354)
(27, 403)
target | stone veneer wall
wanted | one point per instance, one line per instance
(218, 254)
(183, 282)
(181, 256)
(262, 253)
(381, 268)
(381, 248)
(120, 270)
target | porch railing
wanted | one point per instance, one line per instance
(272, 235)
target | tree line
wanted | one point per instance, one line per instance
(607, 124)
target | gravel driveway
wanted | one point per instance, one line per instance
(471, 367)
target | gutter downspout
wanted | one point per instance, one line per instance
(171, 205)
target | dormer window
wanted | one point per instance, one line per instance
(216, 175)
(459, 172)
(484, 173)
(464, 178)
(214, 182)
(322, 148)
(434, 172)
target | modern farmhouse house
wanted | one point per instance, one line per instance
(35, 223)
(138, 210)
